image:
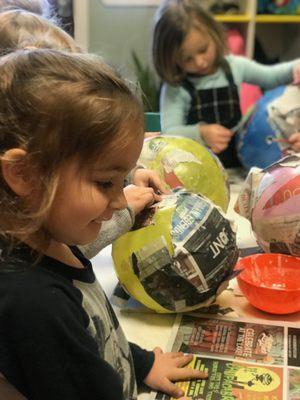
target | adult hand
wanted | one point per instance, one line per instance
(170, 367)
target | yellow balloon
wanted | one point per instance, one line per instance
(178, 254)
(184, 162)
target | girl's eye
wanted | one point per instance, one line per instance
(187, 60)
(203, 50)
(105, 184)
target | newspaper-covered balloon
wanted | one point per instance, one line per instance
(183, 162)
(263, 139)
(270, 200)
(179, 255)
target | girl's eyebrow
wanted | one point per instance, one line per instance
(188, 53)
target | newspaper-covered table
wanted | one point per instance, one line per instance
(244, 359)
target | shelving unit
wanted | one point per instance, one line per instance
(277, 19)
(248, 20)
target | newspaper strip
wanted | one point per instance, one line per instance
(204, 255)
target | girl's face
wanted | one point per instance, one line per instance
(84, 200)
(198, 53)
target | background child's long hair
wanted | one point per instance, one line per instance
(59, 107)
(174, 20)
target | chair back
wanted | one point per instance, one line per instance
(152, 122)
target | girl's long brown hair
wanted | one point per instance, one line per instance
(57, 107)
(173, 21)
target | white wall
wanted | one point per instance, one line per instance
(114, 31)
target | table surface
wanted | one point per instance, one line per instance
(149, 329)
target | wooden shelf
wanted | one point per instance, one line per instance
(277, 19)
(233, 18)
(248, 19)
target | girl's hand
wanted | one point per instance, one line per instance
(296, 74)
(139, 197)
(294, 141)
(216, 137)
(169, 367)
(149, 178)
(151, 134)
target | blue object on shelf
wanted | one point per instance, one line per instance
(289, 7)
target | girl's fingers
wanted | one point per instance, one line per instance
(182, 374)
(157, 197)
(223, 141)
(151, 134)
(178, 354)
(151, 197)
(157, 350)
(171, 389)
(219, 149)
(224, 134)
(157, 184)
(296, 147)
(183, 360)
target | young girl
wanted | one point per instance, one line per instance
(200, 94)
(64, 121)
(21, 29)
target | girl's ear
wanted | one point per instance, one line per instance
(16, 172)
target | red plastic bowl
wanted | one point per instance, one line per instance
(271, 282)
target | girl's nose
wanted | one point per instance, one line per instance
(118, 201)
(200, 61)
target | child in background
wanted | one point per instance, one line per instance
(64, 121)
(20, 28)
(200, 94)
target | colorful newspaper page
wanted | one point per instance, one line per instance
(232, 380)
(234, 339)
(244, 359)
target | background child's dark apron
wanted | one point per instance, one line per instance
(217, 106)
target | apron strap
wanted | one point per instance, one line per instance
(227, 71)
(187, 84)
(189, 87)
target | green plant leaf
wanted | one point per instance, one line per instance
(147, 84)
